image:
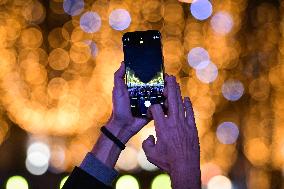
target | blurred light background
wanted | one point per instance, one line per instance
(57, 60)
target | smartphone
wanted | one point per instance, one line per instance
(144, 67)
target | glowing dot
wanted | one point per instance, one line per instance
(119, 19)
(36, 169)
(147, 103)
(127, 182)
(209, 170)
(58, 59)
(198, 58)
(227, 133)
(93, 47)
(161, 181)
(128, 159)
(222, 23)
(201, 9)
(208, 74)
(90, 22)
(232, 90)
(37, 161)
(17, 182)
(219, 182)
(38, 153)
(144, 163)
(73, 7)
(63, 181)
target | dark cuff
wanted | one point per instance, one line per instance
(97, 169)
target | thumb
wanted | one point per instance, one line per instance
(148, 145)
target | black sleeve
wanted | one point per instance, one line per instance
(79, 179)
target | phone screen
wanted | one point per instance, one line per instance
(144, 70)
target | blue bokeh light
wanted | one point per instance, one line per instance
(232, 90)
(119, 19)
(227, 132)
(222, 23)
(90, 22)
(73, 7)
(198, 58)
(201, 9)
(208, 74)
(93, 46)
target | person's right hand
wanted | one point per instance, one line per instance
(176, 150)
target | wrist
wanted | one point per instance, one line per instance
(119, 131)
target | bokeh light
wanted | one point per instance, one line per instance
(34, 12)
(36, 169)
(73, 7)
(127, 182)
(93, 47)
(207, 74)
(38, 155)
(161, 181)
(59, 59)
(227, 132)
(144, 163)
(62, 182)
(128, 159)
(209, 170)
(17, 182)
(232, 90)
(219, 182)
(90, 22)
(222, 23)
(201, 9)
(198, 58)
(119, 19)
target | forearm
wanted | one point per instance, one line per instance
(185, 178)
(106, 150)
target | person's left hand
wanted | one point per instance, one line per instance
(122, 122)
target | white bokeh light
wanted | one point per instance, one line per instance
(144, 163)
(37, 160)
(73, 7)
(119, 19)
(222, 23)
(219, 182)
(227, 132)
(90, 22)
(201, 9)
(198, 58)
(208, 74)
(35, 169)
(232, 90)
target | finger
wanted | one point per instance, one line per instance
(166, 103)
(159, 118)
(139, 123)
(180, 104)
(148, 145)
(165, 92)
(189, 112)
(119, 76)
(172, 97)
